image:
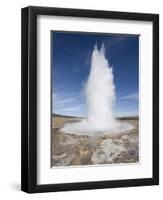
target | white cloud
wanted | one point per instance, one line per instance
(71, 108)
(59, 99)
(64, 101)
(116, 40)
(70, 94)
(133, 96)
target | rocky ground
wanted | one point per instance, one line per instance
(72, 149)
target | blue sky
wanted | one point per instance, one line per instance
(71, 57)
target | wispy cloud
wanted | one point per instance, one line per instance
(63, 97)
(70, 94)
(133, 96)
(64, 101)
(116, 40)
(72, 108)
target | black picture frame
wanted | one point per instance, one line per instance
(29, 99)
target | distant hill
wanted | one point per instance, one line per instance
(121, 118)
(65, 116)
(128, 117)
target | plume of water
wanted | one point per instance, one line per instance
(100, 97)
(100, 91)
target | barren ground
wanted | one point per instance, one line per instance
(73, 150)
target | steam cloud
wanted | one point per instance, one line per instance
(100, 97)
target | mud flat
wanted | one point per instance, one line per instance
(75, 150)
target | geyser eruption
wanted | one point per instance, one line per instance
(100, 92)
(100, 97)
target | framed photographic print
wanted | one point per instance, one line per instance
(90, 99)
